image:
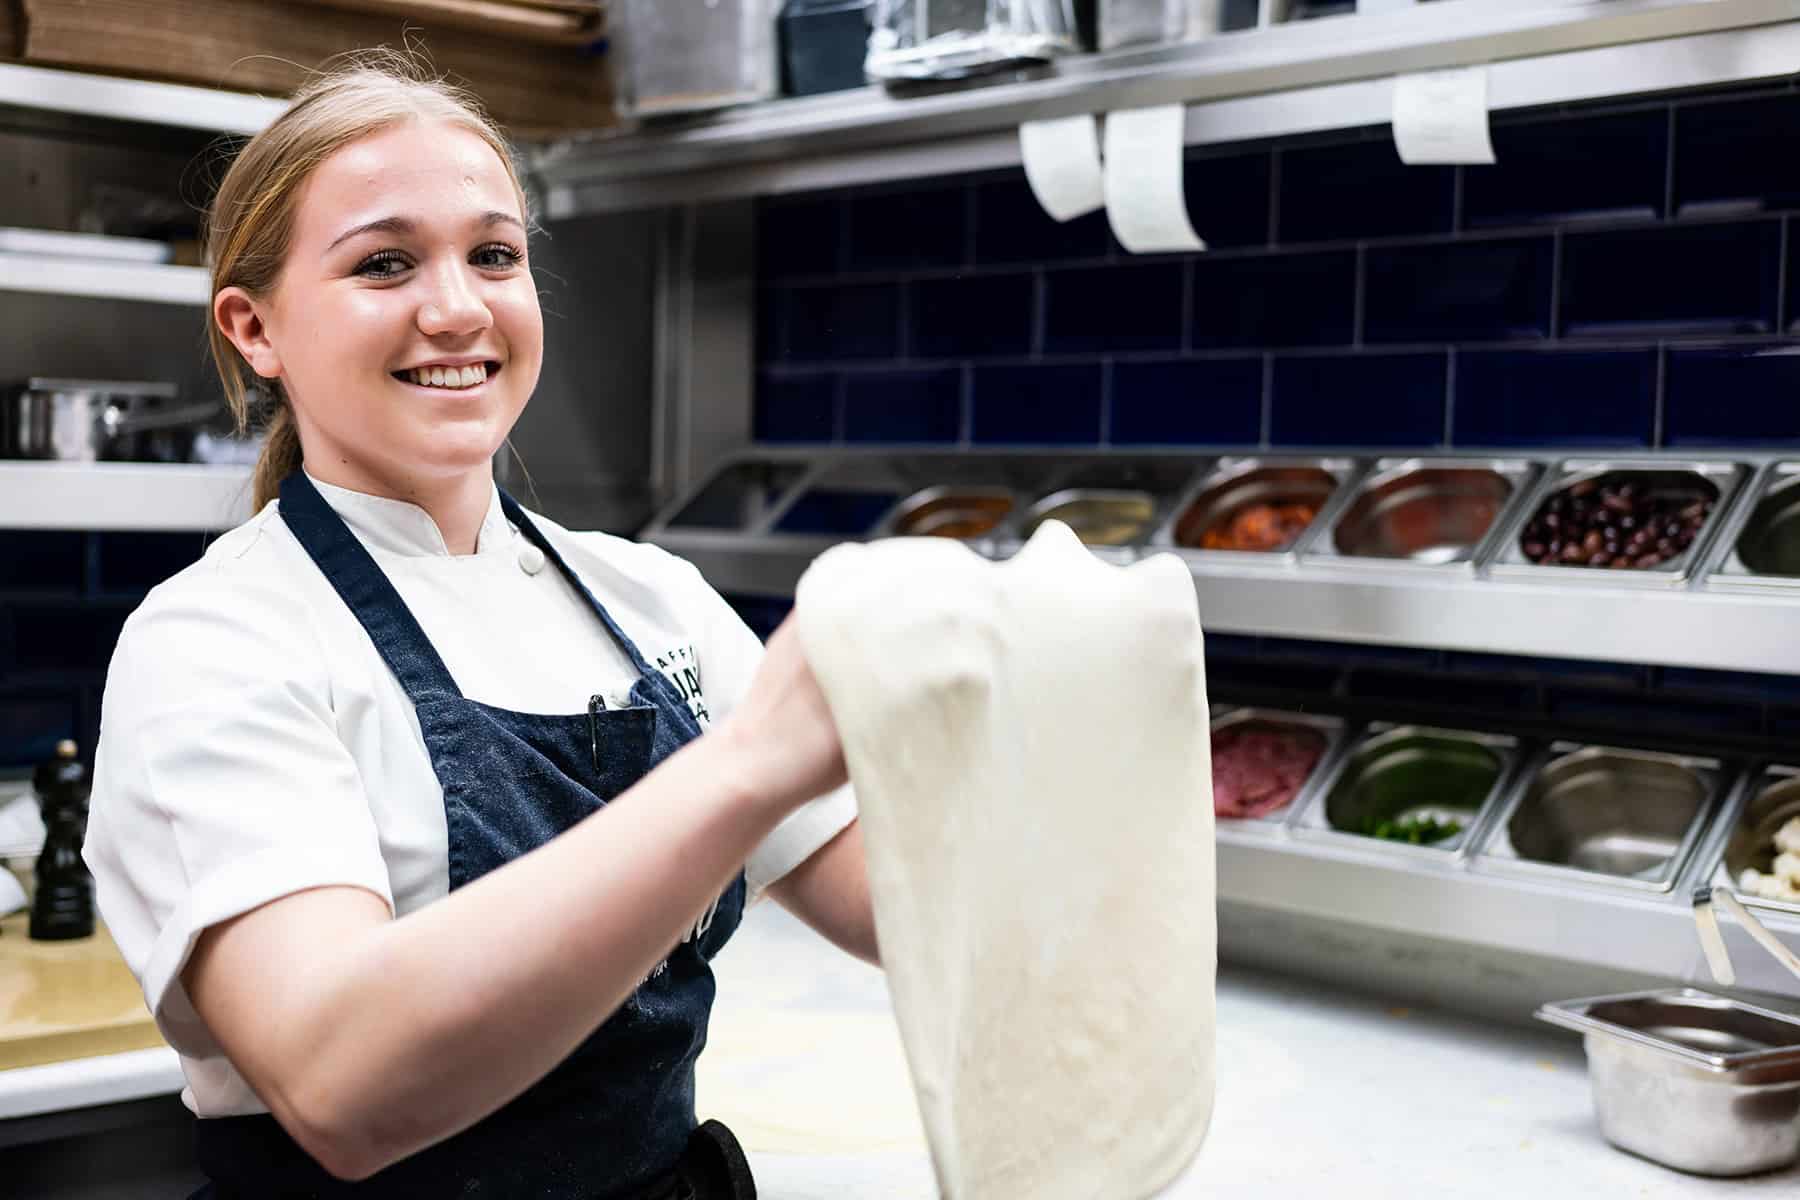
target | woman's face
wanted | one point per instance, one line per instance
(405, 326)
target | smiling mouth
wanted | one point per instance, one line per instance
(453, 379)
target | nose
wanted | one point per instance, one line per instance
(453, 305)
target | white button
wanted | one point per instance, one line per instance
(531, 559)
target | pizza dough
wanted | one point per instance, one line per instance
(1028, 746)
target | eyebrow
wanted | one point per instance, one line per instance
(402, 225)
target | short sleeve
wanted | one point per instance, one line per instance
(220, 782)
(729, 654)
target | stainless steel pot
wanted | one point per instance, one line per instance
(87, 420)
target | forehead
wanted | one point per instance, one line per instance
(423, 171)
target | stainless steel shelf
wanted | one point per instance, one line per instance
(1706, 621)
(137, 100)
(95, 277)
(1328, 74)
(1701, 629)
(106, 496)
(1454, 935)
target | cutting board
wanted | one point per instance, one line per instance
(63, 1000)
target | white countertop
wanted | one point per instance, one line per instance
(1318, 1092)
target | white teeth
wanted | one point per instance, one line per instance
(449, 377)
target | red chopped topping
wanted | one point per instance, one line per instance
(1258, 768)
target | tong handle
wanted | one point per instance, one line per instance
(1723, 896)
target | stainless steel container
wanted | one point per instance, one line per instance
(1099, 517)
(971, 497)
(1762, 552)
(1325, 733)
(952, 511)
(1237, 487)
(1113, 506)
(1141, 22)
(670, 58)
(1691, 1080)
(1670, 479)
(740, 497)
(1770, 800)
(1398, 778)
(1628, 817)
(1425, 512)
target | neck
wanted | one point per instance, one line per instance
(458, 504)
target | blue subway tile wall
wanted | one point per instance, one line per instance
(904, 406)
(1191, 401)
(64, 596)
(1733, 395)
(1734, 156)
(1607, 167)
(1695, 279)
(1399, 399)
(1046, 404)
(1459, 291)
(1359, 189)
(1132, 306)
(1622, 277)
(1274, 300)
(1581, 399)
(972, 316)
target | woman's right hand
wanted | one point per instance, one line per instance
(781, 735)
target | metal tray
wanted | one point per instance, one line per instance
(1331, 728)
(1506, 558)
(915, 481)
(1362, 781)
(1567, 818)
(967, 513)
(1236, 482)
(1425, 512)
(1754, 813)
(740, 497)
(1089, 489)
(1760, 551)
(1695, 1081)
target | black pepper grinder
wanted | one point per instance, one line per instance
(63, 908)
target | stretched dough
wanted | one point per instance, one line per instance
(1029, 751)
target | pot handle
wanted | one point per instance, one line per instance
(116, 421)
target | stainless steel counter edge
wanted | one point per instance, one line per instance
(87, 1082)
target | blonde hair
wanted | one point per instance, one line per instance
(250, 223)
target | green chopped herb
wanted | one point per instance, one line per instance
(1414, 831)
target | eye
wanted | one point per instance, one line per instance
(497, 256)
(384, 264)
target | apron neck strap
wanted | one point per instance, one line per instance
(403, 645)
(517, 516)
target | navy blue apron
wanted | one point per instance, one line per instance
(612, 1119)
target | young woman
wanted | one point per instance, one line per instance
(402, 814)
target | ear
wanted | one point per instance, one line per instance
(240, 321)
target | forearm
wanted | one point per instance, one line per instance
(434, 1020)
(830, 892)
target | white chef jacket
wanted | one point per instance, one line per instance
(254, 744)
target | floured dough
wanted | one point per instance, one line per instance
(1028, 746)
